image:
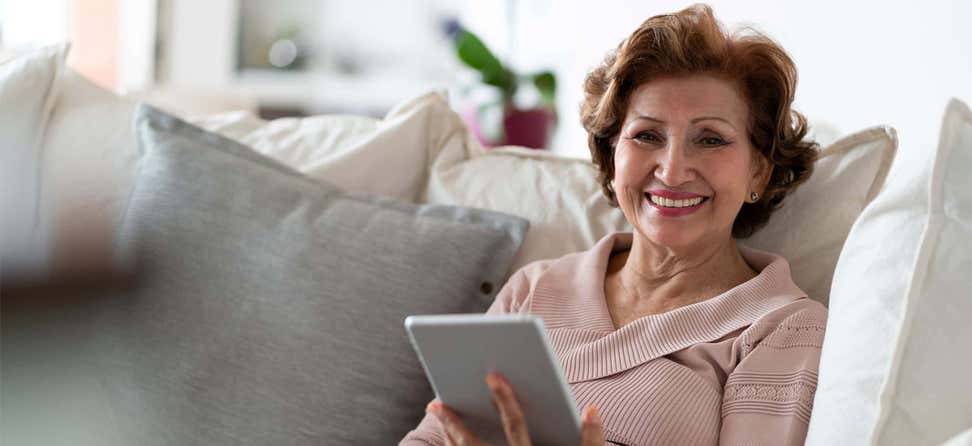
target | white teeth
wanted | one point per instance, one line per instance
(669, 203)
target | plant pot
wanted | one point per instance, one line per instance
(527, 128)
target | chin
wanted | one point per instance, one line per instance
(669, 237)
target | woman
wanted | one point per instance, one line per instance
(673, 332)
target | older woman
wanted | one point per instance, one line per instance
(676, 334)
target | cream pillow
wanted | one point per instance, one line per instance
(75, 151)
(560, 196)
(422, 151)
(896, 362)
(388, 157)
(28, 90)
(88, 158)
(962, 439)
(810, 228)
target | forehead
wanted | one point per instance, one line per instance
(683, 98)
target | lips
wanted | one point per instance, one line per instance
(673, 195)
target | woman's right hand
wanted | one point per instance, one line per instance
(514, 423)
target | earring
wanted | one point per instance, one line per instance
(754, 196)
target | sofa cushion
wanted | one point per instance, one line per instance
(810, 227)
(267, 308)
(895, 364)
(28, 90)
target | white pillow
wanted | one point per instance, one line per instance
(962, 439)
(75, 151)
(424, 142)
(560, 196)
(88, 158)
(27, 94)
(6, 54)
(388, 157)
(896, 366)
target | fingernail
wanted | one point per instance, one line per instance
(492, 382)
(591, 416)
(434, 408)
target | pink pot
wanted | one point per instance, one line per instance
(528, 128)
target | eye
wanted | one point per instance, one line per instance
(647, 137)
(712, 141)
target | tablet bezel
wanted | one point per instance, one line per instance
(458, 350)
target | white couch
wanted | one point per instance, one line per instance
(895, 367)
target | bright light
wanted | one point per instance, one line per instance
(283, 52)
(34, 23)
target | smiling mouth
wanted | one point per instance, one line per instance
(675, 204)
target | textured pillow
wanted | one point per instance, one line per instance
(267, 309)
(810, 228)
(27, 94)
(559, 195)
(895, 367)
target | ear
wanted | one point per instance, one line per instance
(762, 172)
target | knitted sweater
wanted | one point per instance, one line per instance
(737, 369)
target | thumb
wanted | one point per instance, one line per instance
(592, 433)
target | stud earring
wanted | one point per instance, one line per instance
(754, 196)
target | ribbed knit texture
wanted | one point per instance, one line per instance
(736, 369)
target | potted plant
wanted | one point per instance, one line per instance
(520, 126)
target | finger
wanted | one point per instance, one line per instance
(514, 424)
(456, 431)
(433, 408)
(592, 433)
(446, 419)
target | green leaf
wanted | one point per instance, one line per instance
(546, 84)
(474, 53)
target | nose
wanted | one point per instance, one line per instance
(674, 166)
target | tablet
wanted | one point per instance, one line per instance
(459, 350)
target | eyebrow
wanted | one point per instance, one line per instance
(701, 118)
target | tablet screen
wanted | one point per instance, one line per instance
(458, 351)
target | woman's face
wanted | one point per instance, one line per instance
(683, 163)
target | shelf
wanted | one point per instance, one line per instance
(325, 92)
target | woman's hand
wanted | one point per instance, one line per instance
(513, 422)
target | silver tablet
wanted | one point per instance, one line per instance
(458, 351)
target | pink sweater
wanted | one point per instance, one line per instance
(737, 369)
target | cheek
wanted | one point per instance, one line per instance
(629, 166)
(629, 173)
(729, 175)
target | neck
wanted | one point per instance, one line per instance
(659, 278)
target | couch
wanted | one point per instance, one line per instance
(226, 280)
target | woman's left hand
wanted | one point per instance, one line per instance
(514, 424)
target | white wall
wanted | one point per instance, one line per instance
(861, 63)
(201, 46)
(136, 58)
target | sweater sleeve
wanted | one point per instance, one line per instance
(510, 299)
(768, 397)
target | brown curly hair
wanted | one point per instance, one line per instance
(691, 42)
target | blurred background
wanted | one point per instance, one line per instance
(861, 63)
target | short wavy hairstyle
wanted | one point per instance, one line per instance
(692, 42)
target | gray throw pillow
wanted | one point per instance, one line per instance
(267, 308)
